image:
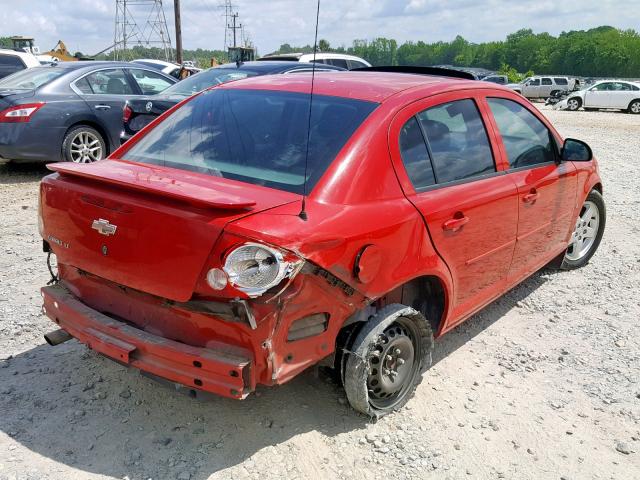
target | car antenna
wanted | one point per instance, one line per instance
(303, 211)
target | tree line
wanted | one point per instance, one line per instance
(598, 52)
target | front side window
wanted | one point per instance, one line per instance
(457, 141)
(109, 82)
(254, 136)
(415, 155)
(602, 87)
(534, 83)
(150, 83)
(526, 139)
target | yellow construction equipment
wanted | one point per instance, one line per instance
(61, 53)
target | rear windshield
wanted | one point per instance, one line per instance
(258, 137)
(31, 78)
(208, 78)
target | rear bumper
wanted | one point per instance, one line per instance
(211, 370)
(25, 141)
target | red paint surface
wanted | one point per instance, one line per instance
(477, 238)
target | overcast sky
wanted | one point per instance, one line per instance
(88, 25)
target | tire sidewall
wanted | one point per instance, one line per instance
(71, 134)
(574, 109)
(357, 366)
(595, 197)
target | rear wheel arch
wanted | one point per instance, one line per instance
(96, 126)
(631, 103)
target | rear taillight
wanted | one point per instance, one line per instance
(126, 113)
(20, 113)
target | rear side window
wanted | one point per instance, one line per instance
(526, 139)
(258, 137)
(561, 81)
(109, 82)
(355, 64)
(457, 141)
(338, 62)
(547, 81)
(415, 155)
(10, 64)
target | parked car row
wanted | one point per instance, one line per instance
(85, 110)
(70, 111)
(139, 112)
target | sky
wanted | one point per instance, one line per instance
(88, 25)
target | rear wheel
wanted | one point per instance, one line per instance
(83, 144)
(387, 359)
(587, 233)
(634, 107)
(574, 104)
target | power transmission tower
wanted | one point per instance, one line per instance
(141, 23)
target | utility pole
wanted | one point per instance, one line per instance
(176, 9)
(234, 27)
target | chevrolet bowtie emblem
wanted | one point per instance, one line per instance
(104, 227)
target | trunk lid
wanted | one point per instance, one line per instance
(146, 227)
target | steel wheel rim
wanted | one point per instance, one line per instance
(573, 104)
(85, 148)
(585, 232)
(635, 107)
(392, 364)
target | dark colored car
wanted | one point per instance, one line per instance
(70, 111)
(253, 232)
(141, 111)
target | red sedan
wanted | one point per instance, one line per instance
(250, 233)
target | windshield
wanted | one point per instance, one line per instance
(208, 78)
(31, 78)
(258, 137)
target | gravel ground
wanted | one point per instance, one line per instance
(542, 384)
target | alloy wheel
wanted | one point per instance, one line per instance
(573, 104)
(86, 148)
(635, 107)
(585, 232)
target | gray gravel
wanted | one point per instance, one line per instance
(542, 384)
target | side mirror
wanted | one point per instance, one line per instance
(576, 151)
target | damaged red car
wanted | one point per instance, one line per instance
(255, 230)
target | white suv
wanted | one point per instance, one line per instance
(336, 59)
(12, 61)
(543, 87)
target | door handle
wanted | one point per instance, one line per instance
(102, 107)
(531, 197)
(456, 223)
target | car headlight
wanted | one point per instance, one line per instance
(254, 268)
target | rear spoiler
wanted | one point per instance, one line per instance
(146, 179)
(434, 71)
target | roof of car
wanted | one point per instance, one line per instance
(268, 67)
(369, 86)
(89, 64)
